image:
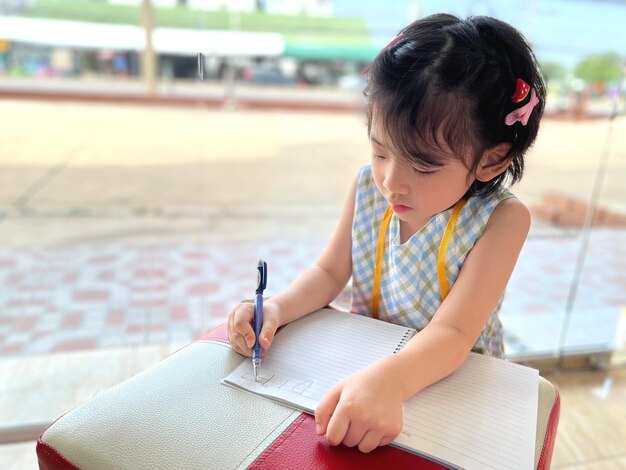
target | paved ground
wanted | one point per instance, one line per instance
(128, 224)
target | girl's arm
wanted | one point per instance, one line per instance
(366, 408)
(444, 344)
(313, 289)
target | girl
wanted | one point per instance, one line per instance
(428, 234)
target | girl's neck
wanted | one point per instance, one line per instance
(408, 229)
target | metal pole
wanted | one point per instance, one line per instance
(149, 59)
(586, 228)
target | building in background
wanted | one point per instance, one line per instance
(264, 41)
(273, 7)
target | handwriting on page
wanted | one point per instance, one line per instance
(271, 381)
(296, 387)
(263, 379)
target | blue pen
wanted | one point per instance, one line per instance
(261, 283)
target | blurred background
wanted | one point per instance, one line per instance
(152, 151)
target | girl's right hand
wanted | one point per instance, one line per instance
(240, 332)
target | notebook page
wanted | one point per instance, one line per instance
(309, 356)
(484, 416)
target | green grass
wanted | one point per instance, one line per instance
(344, 31)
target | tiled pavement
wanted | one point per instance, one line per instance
(536, 300)
(100, 295)
(108, 295)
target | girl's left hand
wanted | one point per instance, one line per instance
(364, 409)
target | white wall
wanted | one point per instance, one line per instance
(277, 7)
(297, 7)
(231, 5)
(155, 3)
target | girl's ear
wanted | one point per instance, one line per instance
(494, 162)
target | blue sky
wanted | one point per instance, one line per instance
(559, 30)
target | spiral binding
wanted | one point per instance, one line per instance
(405, 339)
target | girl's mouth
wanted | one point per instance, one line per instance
(399, 208)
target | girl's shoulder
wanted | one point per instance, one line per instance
(512, 208)
(369, 203)
(487, 204)
(365, 186)
(509, 212)
(499, 195)
(365, 176)
(479, 210)
(505, 200)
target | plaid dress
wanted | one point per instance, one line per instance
(409, 288)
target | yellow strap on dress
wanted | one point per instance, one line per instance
(441, 258)
(378, 269)
(443, 248)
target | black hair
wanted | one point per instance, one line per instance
(449, 79)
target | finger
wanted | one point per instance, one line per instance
(229, 328)
(387, 440)
(337, 426)
(267, 334)
(354, 435)
(232, 333)
(237, 341)
(325, 409)
(242, 324)
(370, 441)
(241, 347)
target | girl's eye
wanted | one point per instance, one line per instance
(379, 157)
(424, 172)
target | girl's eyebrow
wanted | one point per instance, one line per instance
(376, 141)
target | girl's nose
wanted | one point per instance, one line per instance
(396, 178)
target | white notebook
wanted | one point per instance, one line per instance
(483, 416)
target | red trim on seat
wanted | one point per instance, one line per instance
(299, 447)
(548, 443)
(217, 334)
(51, 459)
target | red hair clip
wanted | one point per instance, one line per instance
(393, 41)
(521, 91)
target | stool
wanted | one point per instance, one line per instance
(177, 415)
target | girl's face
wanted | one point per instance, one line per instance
(416, 193)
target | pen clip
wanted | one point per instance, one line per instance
(261, 282)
